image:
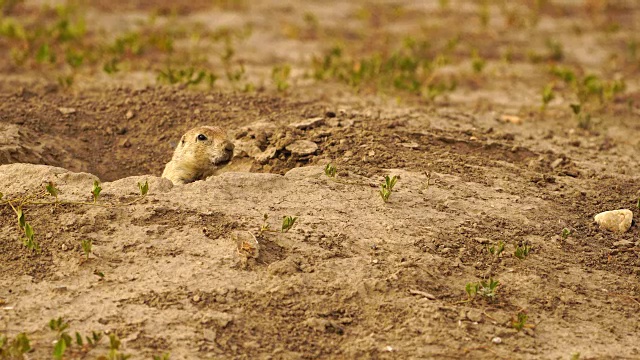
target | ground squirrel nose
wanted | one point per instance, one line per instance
(229, 146)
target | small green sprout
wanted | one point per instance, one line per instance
(265, 226)
(99, 274)
(330, 170)
(21, 221)
(114, 349)
(52, 190)
(486, 289)
(576, 108)
(96, 191)
(477, 62)
(29, 240)
(16, 348)
(637, 204)
(522, 251)
(280, 76)
(387, 187)
(86, 247)
(565, 233)
(64, 340)
(547, 95)
(165, 356)
(497, 248)
(1, 195)
(521, 321)
(288, 222)
(471, 289)
(575, 356)
(111, 66)
(144, 188)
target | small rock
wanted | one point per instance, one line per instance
(263, 157)
(474, 315)
(129, 115)
(623, 243)
(308, 123)
(496, 340)
(125, 143)
(511, 119)
(410, 145)
(556, 163)
(64, 247)
(615, 220)
(66, 111)
(302, 147)
(196, 298)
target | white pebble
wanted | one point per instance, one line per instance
(615, 220)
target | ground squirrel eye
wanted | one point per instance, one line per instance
(201, 137)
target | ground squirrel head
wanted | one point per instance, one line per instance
(199, 153)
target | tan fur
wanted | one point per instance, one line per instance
(196, 159)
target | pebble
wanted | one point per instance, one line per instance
(623, 243)
(474, 315)
(615, 220)
(496, 340)
(66, 111)
(557, 163)
(129, 115)
(308, 123)
(302, 147)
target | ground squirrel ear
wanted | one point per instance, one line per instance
(182, 140)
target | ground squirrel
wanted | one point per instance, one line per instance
(200, 152)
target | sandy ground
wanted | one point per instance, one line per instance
(355, 277)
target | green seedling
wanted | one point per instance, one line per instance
(187, 76)
(114, 349)
(547, 95)
(111, 66)
(265, 226)
(96, 191)
(522, 251)
(471, 289)
(330, 170)
(52, 190)
(565, 233)
(387, 187)
(288, 222)
(29, 240)
(86, 247)
(484, 13)
(521, 322)
(63, 341)
(477, 62)
(567, 75)
(99, 274)
(486, 289)
(16, 348)
(575, 356)
(637, 204)
(144, 188)
(165, 356)
(497, 248)
(280, 76)
(556, 52)
(21, 220)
